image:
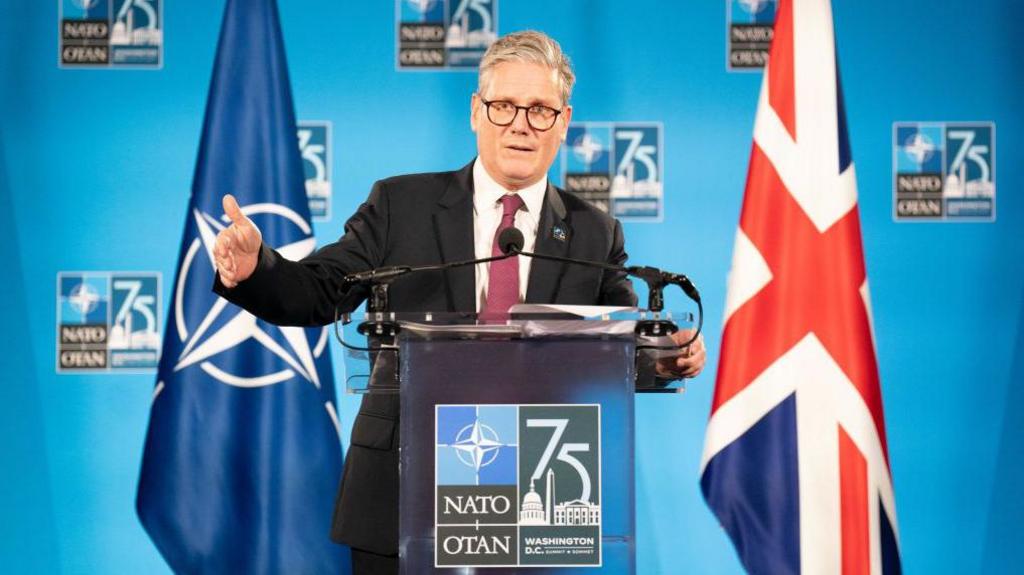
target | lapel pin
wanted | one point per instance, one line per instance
(558, 232)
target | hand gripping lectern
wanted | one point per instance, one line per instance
(516, 440)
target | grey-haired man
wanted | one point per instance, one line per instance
(520, 114)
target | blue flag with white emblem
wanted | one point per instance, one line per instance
(242, 454)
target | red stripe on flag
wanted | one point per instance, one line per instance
(815, 287)
(747, 348)
(781, 86)
(853, 505)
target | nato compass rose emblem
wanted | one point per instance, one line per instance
(477, 445)
(86, 5)
(587, 148)
(209, 327)
(919, 148)
(84, 298)
(754, 6)
(422, 6)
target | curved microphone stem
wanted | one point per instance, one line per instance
(387, 275)
(656, 281)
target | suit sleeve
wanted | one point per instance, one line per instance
(616, 288)
(306, 292)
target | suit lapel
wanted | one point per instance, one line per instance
(453, 229)
(553, 238)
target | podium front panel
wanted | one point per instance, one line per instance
(499, 468)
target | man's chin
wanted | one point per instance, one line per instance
(522, 173)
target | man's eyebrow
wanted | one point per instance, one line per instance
(533, 101)
(540, 102)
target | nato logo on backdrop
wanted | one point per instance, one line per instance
(111, 33)
(315, 147)
(108, 321)
(444, 34)
(944, 171)
(617, 167)
(517, 485)
(750, 27)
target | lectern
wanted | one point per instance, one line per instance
(516, 449)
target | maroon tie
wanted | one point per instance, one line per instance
(503, 280)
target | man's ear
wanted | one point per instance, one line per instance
(474, 111)
(566, 118)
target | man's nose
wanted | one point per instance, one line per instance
(520, 122)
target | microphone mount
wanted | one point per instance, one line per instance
(379, 281)
(655, 279)
(511, 243)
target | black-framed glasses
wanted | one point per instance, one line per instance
(503, 113)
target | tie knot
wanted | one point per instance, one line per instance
(510, 204)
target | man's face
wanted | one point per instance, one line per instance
(517, 155)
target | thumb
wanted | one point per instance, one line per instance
(682, 336)
(233, 211)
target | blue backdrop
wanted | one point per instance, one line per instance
(95, 168)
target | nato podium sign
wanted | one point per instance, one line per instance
(516, 448)
(518, 485)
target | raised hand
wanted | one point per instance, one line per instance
(238, 246)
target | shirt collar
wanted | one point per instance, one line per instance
(487, 192)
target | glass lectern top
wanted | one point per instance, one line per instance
(365, 335)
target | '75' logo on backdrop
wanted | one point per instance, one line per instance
(315, 147)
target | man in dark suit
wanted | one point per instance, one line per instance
(520, 114)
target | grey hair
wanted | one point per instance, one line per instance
(528, 46)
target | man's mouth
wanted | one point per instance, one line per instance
(519, 148)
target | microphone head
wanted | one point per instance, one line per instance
(511, 241)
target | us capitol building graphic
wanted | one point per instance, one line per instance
(535, 511)
(125, 33)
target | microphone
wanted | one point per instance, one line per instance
(378, 280)
(376, 275)
(380, 276)
(655, 276)
(511, 241)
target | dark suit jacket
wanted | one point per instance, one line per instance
(416, 220)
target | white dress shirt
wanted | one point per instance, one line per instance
(487, 195)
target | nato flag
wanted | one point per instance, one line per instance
(242, 453)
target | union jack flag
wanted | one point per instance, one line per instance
(795, 463)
